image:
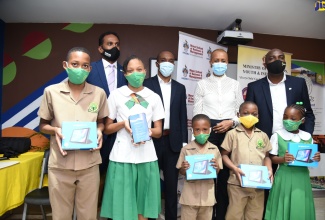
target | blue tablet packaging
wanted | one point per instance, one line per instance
(303, 154)
(79, 135)
(139, 126)
(255, 176)
(200, 167)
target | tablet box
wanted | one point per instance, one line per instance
(139, 126)
(79, 135)
(200, 167)
(303, 154)
(255, 177)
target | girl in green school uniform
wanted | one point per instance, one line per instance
(291, 195)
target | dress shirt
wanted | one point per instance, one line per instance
(166, 88)
(279, 103)
(218, 97)
(107, 70)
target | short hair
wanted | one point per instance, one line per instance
(200, 117)
(158, 55)
(101, 37)
(300, 108)
(218, 50)
(126, 62)
(247, 103)
(77, 49)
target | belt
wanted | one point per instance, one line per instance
(165, 132)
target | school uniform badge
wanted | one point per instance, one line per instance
(260, 144)
(93, 107)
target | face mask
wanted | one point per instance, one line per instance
(248, 121)
(219, 68)
(135, 79)
(166, 68)
(202, 138)
(276, 67)
(112, 54)
(77, 75)
(290, 125)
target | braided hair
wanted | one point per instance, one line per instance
(298, 107)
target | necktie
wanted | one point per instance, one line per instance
(136, 99)
(111, 77)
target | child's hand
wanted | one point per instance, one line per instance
(214, 164)
(288, 158)
(59, 137)
(238, 172)
(270, 175)
(185, 165)
(316, 157)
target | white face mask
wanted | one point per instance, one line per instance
(166, 68)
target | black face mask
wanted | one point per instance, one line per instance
(276, 67)
(112, 54)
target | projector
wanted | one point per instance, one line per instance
(229, 37)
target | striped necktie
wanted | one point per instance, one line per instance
(111, 77)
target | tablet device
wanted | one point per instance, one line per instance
(201, 167)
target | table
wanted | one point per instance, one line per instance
(19, 179)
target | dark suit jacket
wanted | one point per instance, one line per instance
(97, 76)
(296, 91)
(178, 114)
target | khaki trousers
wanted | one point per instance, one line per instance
(70, 188)
(245, 203)
(196, 212)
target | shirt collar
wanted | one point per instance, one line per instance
(66, 88)
(161, 81)
(241, 128)
(217, 78)
(106, 63)
(126, 91)
(271, 83)
(288, 136)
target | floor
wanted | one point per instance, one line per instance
(35, 213)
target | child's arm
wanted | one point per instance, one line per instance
(111, 127)
(215, 165)
(286, 159)
(268, 163)
(156, 131)
(231, 165)
(185, 166)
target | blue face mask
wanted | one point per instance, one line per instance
(219, 68)
(166, 68)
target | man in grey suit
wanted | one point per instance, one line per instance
(173, 96)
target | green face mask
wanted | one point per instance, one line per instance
(77, 75)
(135, 79)
(290, 125)
(202, 138)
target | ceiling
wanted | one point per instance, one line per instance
(277, 17)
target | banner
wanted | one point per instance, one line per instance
(250, 65)
(193, 65)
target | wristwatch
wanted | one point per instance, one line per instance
(233, 123)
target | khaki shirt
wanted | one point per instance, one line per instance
(245, 149)
(198, 192)
(57, 106)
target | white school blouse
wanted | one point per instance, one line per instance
(123, 150)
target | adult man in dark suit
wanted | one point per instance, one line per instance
(276, 91)
(173, 96)
(108, 75)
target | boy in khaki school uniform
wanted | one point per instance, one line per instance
(73, 176)
(247, 145)
(197, 197)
